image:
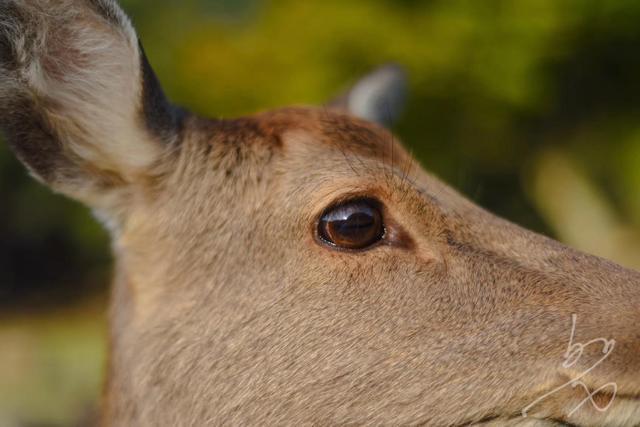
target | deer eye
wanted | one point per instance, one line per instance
(354, 224)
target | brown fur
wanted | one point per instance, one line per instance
(227, 309)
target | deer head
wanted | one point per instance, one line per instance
(297, 266)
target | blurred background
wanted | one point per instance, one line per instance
(531, 108)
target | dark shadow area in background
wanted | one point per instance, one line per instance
(51, 251)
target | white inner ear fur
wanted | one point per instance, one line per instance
(84, 74)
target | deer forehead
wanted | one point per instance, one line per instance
(294, 159)
(270, 175)
(289, 127)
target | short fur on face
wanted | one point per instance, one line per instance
(228, 309)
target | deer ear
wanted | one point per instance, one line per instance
(378, 97)
(79, 103)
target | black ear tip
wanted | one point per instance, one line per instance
(162, 118)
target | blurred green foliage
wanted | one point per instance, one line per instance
(51, 367)
(496, 86)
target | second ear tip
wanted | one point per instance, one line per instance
(380, 96)
(391, 76)
(392, 69)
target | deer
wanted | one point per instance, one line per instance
(297, 266)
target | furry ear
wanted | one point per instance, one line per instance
(79, 103)
(378, 97)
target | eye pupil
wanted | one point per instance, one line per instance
(352, 225)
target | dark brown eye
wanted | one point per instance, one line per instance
(355, 224)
